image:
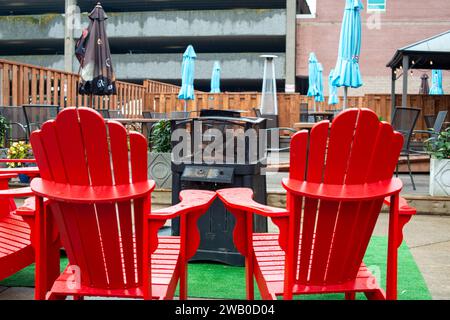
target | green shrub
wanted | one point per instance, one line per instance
(160, 138)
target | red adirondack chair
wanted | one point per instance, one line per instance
(338, 181)
(16, 251)
(101, 207)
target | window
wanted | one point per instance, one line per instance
(306, 8)
(376, 5)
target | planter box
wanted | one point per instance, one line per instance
(440, 177)
(160, 169)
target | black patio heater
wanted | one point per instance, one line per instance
(238, 163)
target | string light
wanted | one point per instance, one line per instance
(431, 62)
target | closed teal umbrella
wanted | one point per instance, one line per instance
(319, 97)
(312, 75)
(332, 96)
(313, 90)
(436, 83)
(347, 73)
(187, 75)
(215, 78)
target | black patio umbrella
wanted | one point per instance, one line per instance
(92, 50)
(424, 86)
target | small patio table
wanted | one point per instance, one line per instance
(303, 125)
(322, 115)
(132, 122)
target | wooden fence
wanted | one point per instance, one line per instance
(27, 84)
(152, 86)
(289, 104)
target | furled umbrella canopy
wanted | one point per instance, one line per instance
(347, 73)
(319, 97)
(424, 86)
(312, 75)
(436, 83)
(215, 78)
(333, 98)
(187, 75)
(97, 74)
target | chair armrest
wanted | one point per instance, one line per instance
(31, 171)
(18, 160)
(16, 193)
(91, 194)
(430, 132)
(242, 199)
(348, 193)
(191, 201)
(404, 207)
(28, 209)
(7, 176)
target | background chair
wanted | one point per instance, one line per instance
(304, 113)
(36, 115)
(433, 131)
(102, 211)
(154, 115)
(178, 115)
(115, 114)
(16, 123)
(337, 185)
(404, 121)
(16, 251)
(105, 113)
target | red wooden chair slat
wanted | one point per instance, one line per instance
(109, 234)
(119, 155)
(333, 202)
(352, 215)
(316, 158)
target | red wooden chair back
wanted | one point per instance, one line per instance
(333, 236)
(103, 240)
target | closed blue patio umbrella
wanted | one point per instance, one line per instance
(436, 83)
(187, 76)
(347, 73)
(215, 78)
(319, 97)
(312, 75)
(332, 96)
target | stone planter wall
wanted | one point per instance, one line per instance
(159, 169)
(440, 177)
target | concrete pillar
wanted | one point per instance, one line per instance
(69, 41)
(291, 40)
(405, 80)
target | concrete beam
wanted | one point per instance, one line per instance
(291, 40)
(267, 22)
(168, 66)
(69, 26)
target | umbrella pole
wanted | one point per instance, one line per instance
(185, 105)
(345, 98)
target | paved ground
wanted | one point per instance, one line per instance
(427, 236)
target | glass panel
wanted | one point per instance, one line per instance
(376, 5)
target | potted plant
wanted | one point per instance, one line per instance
(159, 161)
(439, 149)
(20, 150)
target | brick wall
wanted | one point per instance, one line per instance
(403, 23)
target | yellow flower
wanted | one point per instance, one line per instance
(15, 144)
(22, 149)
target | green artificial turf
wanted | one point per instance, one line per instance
(220, 281)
